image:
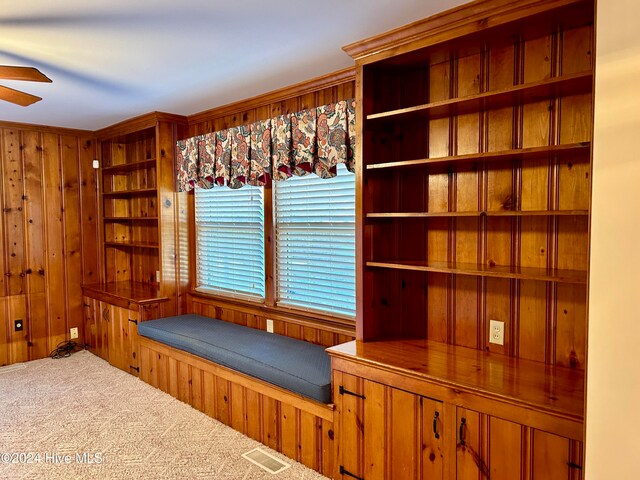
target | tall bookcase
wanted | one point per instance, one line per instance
(130, 210)
(475, 187)
(139, 247)
(474, 202)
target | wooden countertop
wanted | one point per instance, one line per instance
(556, 390)
(130, 292)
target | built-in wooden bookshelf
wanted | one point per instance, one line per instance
(129, 193)
(554, 87)
(137, 173)
(542, 153)
(138, 222)
(503, 213)
(474, 180)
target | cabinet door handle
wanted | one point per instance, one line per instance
(344, 391)
(574, 465)
(435, 424)
(344, 472)
(463, 423)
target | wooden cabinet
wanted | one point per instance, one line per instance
(96, 328)
(394, 424)
(473, 180)
(123, 337)
(142, 276)
(385, 432)
(112, 313)
(112, 333)
(490, 447)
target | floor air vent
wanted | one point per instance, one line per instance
(265, 461)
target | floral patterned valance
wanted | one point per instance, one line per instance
(310, 141)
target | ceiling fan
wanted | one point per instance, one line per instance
(29, 74)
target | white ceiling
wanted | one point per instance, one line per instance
(114, 59)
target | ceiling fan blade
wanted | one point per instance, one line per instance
(17, 97)
(30, 74)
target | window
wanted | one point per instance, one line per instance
(314, 220)
(230, 240)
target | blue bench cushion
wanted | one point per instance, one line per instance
(296, 365)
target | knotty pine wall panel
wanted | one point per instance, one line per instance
(48, 236)
(287, 324)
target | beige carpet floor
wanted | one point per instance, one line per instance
(81, 405)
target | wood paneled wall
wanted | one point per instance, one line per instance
(48, 236)
(287, 324)
(320, 329)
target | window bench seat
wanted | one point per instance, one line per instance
(299, 366)
(272, 388)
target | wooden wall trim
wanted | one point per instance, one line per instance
(151, 119)
(135, 124)
(302, 88)
(450, 24)
(45, 128)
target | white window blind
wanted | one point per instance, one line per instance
(230, 240)
(315, 242)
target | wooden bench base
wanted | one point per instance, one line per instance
(296, 426)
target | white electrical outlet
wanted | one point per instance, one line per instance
(496, 332)
(73, 333)
(157, 276)
(269, 325)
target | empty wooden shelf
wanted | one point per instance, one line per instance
(531, 153)
(504, 213)
(572, 84)
(498, 271)
(129, 193)
(124, 168)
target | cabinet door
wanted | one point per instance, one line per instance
(90, 327)
(386, 433)
(433, 415)
(96, 327)
(123, 338)
(349, 425)
(134, 342)
(489, 447)
(555, 457)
